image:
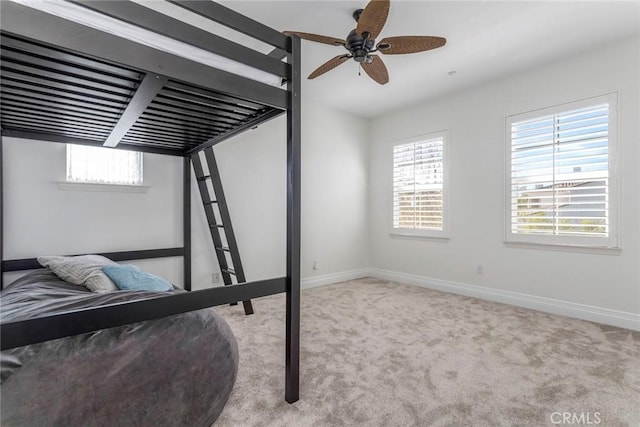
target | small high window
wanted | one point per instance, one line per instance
(419, 186)
(98, 165)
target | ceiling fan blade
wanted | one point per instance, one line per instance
(316, 38)
(376, 70)
(328, 66)
(409, 44)
(373, 18)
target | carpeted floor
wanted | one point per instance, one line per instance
(377, 353)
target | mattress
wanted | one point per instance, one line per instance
(174, 371)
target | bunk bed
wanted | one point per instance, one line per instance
(68, 82)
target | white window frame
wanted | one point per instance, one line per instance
(101, 185)
(425, 233)
(577, 242)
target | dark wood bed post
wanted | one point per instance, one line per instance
(186, 221)
(292, 369)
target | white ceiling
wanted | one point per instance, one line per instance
(485, 40)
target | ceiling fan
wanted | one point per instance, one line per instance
(361, 42)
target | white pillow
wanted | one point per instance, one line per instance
(83, 270)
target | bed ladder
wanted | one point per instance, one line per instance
(219, 220)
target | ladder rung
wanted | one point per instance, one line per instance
(211, 202)
(223, 248)
(204, 177)
(216, 226)
(229, 271)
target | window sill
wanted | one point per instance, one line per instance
(400, 235)
(603, 250)
(94, 187)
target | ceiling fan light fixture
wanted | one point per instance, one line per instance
(360, 55)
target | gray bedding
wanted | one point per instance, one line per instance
(175, 371)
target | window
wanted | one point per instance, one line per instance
(562, 179)
(418, 186)
(99, 165)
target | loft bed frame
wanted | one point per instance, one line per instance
(66, 82)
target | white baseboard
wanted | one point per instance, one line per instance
(591, 313)
(327, 279)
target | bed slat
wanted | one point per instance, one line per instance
(32, 263)
(76, 322)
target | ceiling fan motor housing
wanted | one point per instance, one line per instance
(359, 46)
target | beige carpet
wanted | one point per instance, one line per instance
(376, 353)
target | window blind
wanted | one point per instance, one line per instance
(560, 173)
(418, 177)
(103, 165)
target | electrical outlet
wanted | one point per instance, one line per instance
(316, 265)
(216, 278)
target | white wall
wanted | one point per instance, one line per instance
(334, 196)
(475, 120)
(42, 219)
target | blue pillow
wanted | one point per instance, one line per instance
(130, 278)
